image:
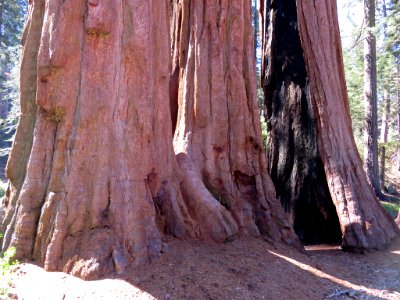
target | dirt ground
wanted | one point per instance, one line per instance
(242, 269)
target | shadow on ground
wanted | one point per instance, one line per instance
(242, 269)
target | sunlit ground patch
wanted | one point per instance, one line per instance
(358, 289)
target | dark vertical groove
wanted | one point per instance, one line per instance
(175, 27)
(293, 158)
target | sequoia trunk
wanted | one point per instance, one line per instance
(218, 137)
(310, 128)
(99, 188)
(19, 155)
(294, 161)
(94, 180)
(363, 221)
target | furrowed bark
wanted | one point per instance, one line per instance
(370, 99)
(19, 156)
(218, 135)
(294, 161)
(102, 182)
(100, 188)
(363, 221)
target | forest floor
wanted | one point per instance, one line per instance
(392, 178)
(241, 269)
(392, 182)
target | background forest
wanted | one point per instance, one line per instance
(12, 17)
(386, 30)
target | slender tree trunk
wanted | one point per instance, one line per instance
(293, 159)
(2, 64)
(218, 136)
(384, 136)
(5, 72)
(1, 23)
(94, 180)
(370, 98)
(364, 223)
(386, 115)
(398, 117)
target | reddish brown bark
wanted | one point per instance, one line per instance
(19, 156)
(102, 182)
(102, 154)
(294, 161)
(363, 221)
(218, 135)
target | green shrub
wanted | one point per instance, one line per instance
(6, 264)
(391, 208)
(3, 187)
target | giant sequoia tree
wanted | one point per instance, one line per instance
(313, 158)
(218, 133)
(294, 162)
(94, 180)
(118, 146)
